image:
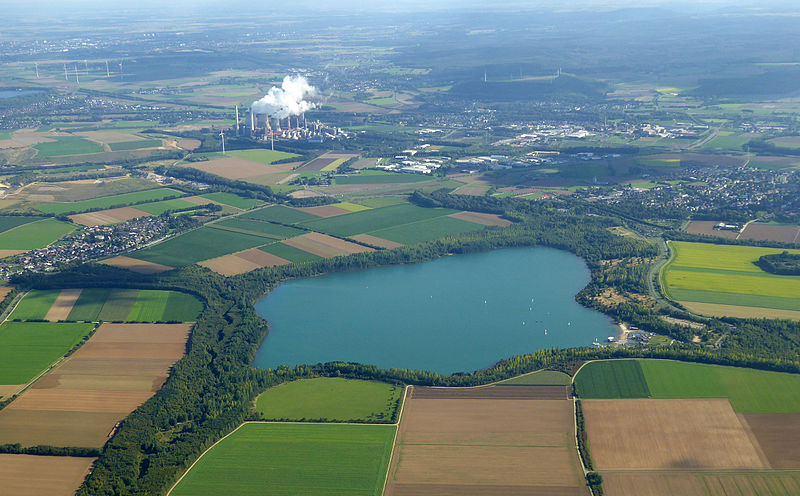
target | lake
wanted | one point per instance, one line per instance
(454, 314)
(13, 93)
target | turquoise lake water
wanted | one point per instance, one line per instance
(455, 314)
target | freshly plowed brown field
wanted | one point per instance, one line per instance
(453, 443)
(707, 227)
(375, 241)
(325, 211)
(63, 305)
(10, 253)
(767, 232)
(110, 216)
(262, 258)
(483, 219)
(707, 484)
(135, 265)
(494, 392)
(29, 475)
(325, 246)
(779, 437)
(655, 434)
(83, 398)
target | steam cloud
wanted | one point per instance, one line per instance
(287, 100)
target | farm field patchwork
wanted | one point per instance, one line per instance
(66, 145)
(134, 145)
(135, 305)
(331, 399)
(238, 168)
(244, 261)
(27, 348)
(368, 221)
(452, 441)
(11, 221)
(325, 246)
(71, 191)
(727, 275)
(258, 228)
(291, 459)
(749, 390)
(110, 216)
(232, 200)
(692, 434)
(262, 155)
(279, 213)
(106, 202)
(34, 235)
(426, 230)
(79, 402)
(201, 244)
(700, 483)
(294, 255)
(159, 207)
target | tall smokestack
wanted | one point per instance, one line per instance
(252, 122)
(37, 70)
(77, 81)
(108, 73)
(237, 121)
(66, 77)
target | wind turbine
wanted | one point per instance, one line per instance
(37, 69)
(222, 135)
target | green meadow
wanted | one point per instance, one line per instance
(330, 399)
(294, 459)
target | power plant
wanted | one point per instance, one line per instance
(293, 127)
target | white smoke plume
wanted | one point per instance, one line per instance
(287, 100)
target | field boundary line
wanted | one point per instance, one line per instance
(274, 422)
(56, 363)
(204, 454)
(406, 390)
(13, 305)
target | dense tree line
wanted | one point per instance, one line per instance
(784, 264)
(702, 238)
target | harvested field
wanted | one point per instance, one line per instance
(188, 144)
(4, 290)
(304, 193)
(81, 400)
(779, 438)
(325, 246)
(768, 232)
(483, 219)
(495, 392)
(486, 465)
(711, 484)
(135, 265)
(10, 253)
(472, 190)
(55, 475)
(8, 390)
(142, 333)
(325, 211)
(481, 445)
(244, 261)
(375, 241)
(706, 227)
(57, 428)
(77, 400)
(651, 434)
(483, 490)
(130, 350)
(63, 305)
(318, 164)
(111, 216)
(720, 310)
(237, 168)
